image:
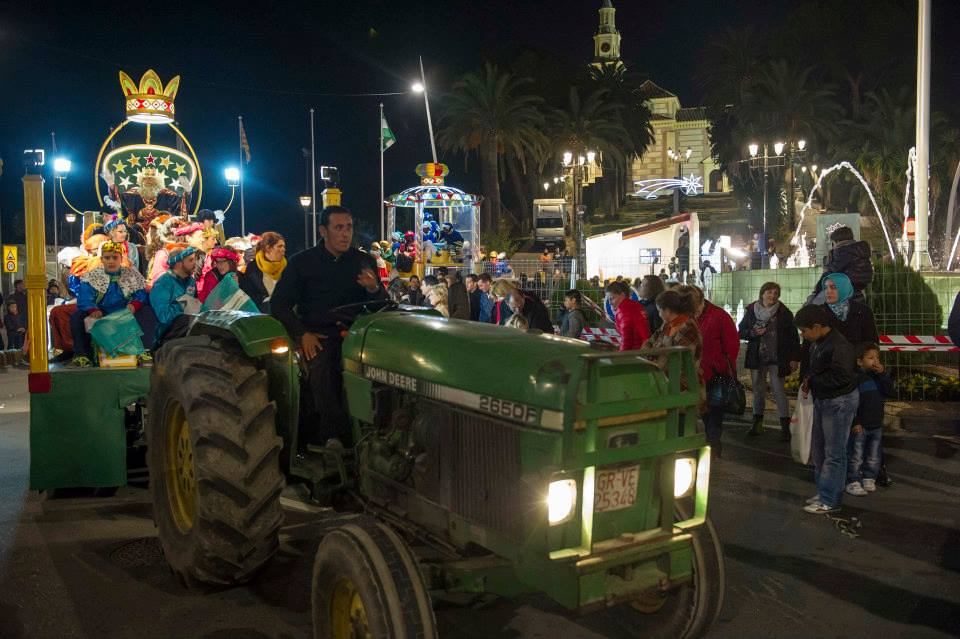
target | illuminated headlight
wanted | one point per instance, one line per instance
(279, 346)
(561, 501)
(684, 474)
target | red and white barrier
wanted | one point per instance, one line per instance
(892, 343)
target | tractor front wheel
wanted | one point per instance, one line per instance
(213, 460)
(685, 612)
(366, 583)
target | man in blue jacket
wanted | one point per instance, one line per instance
(174, 295)
(106, 289)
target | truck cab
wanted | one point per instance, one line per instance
(549, 221)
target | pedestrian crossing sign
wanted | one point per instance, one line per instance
(9, 259)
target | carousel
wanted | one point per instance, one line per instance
(433, 225)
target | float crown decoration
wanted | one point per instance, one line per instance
(151, 102)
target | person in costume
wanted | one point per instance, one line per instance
(222, 261)
(451, 236)
(383, 271)
(150, 198)
(431, 231)
(163, 241)
(409, 247)
(201, 238)
(174, 295)
(117, 232)
(396, 241)
(212, 222)
(264, 270)
(106, 289)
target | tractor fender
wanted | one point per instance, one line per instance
(255, 332)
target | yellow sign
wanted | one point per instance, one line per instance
(9, 259)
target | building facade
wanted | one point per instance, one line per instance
(674, 126)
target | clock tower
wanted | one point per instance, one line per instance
(606, 42)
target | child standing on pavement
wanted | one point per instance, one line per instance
(829, 373)
(864, 449)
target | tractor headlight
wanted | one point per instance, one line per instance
(279, 346)
(684, 474)
(561, 500)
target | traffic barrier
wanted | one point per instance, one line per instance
(916, 343)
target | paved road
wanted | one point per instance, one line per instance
(91, 567)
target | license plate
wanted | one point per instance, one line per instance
(616, 489)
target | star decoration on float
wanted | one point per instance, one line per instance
(165, 162)
(120, 167)
(180, 169)
(125, 182)
(150, 159)
(133, 160)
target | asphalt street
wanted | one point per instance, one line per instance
(85, 566)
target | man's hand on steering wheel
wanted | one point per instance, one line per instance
(368, 280)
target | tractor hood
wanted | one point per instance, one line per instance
(518, 375)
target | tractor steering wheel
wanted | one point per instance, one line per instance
(348, 313)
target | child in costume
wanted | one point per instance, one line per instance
(116, 230)
(222, 261)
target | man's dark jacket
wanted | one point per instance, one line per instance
(314, 282)
(832, 369)
(458, 301)
(536, 313)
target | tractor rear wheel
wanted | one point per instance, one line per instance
(213, 460)
(685, 612)
(366, 583)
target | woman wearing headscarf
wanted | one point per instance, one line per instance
(854, 319)
(772, 348)
(264, 270)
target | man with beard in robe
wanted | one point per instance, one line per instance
(149, 199)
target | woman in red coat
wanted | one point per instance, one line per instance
(631, 319)
(721, 345)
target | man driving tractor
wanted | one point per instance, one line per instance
(317, 280)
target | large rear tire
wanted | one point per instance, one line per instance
(366, 583)
(688, 611)
(213, 460)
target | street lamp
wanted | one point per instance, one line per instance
(546, 186)
(416, 87)
(778, 148)
(421, 87)
(678, 157)
(61, 166)
(567, 158)
(232, 175)
(591, 156)
(305, 202)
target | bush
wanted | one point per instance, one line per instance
(927, 387)
(504, 240)
(902, 302)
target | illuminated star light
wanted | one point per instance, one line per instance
(120, 167)
(180, 169)
(133, 160)
(165, 162)
(651, 189)
(150, 158)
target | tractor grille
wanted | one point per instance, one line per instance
(482, 471)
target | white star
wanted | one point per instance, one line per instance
(125, 182)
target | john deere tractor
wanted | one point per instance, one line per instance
(553, 467)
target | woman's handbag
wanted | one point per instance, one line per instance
(726, 392)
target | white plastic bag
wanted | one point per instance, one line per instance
(801, 428)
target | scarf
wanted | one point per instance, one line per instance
(841, 307)
(763, 313)
(271, 269)
(675, 324)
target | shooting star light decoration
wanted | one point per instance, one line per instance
(651, 189)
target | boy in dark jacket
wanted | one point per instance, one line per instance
(864, 450)
(850, 257)
(831, 376)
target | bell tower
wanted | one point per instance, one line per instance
(606, 42)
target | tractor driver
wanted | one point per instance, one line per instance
(317, 280)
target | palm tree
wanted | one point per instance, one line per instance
(635, 115)
(491, 113)
(593, 123)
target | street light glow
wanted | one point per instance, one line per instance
(70, 217)
(778, 147)
(754, 149)
(232, 174)
(591, 156)
(306, 201)
(62, 165)
(670, 153)
(546, 186)
(801, 144)
(417, 87)
(567, 158)
(688, 152)
(813, 168)
(556, 180)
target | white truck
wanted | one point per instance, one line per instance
(549, 222)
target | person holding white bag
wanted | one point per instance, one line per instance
(830, 375)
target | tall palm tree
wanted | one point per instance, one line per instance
(635, 115)
(491, 113)
(593, 123)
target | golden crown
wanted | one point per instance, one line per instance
(150, 102)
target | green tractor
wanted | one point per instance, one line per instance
(484, 461)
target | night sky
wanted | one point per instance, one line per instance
(271, 63)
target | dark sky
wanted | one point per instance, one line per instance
(271, 61)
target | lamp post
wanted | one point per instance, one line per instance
(61, 166)
(678, 157)
(576, 167)
(305, 202)
(421, 87)
(70, 218)
(795, 149)
(232, 176)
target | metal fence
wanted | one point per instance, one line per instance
(904, 305)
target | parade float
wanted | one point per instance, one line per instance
(141, 172)
(442, 221)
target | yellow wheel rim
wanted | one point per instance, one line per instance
(649, 602)
(348, 618)
(181, 472)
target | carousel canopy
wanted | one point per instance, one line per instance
(433, 196)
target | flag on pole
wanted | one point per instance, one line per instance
(244, 145)
(389, 139)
